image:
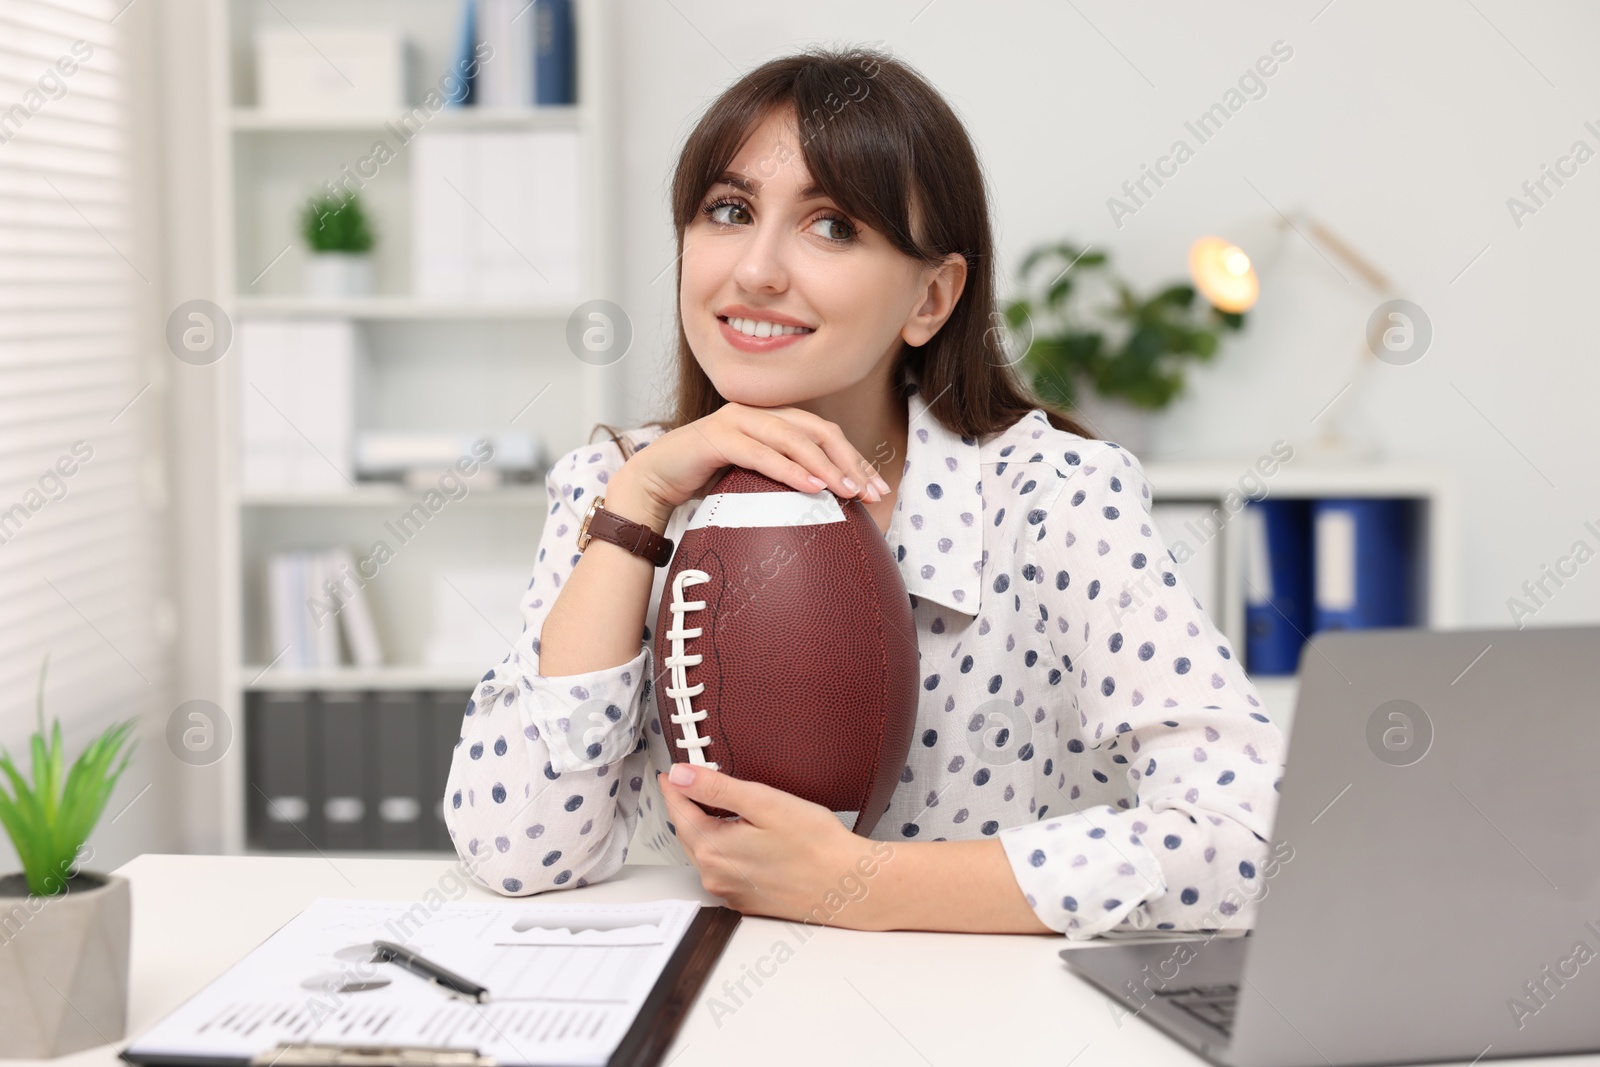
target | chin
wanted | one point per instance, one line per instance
(754, 384)
(739, 389)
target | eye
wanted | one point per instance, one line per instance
(713, 210)
(838, 221)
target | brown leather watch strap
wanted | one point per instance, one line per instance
(636, 537)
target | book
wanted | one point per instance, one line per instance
(462, 62)
(554, 60)
(355, 615)
(312, 596)
(506, 74)
(322, 609)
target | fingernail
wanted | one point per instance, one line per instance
(818, 482)
(883, 486)
(872, 494)
(681, 774)
(849, 483)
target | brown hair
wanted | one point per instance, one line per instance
(878, 139)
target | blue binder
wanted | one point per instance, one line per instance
(1277, 611)
(553, 53)
(1365, 568)
(466, 42)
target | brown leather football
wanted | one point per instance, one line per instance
(785, 649)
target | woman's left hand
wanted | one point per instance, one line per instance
(783, 857)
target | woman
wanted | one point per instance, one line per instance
(1089, 754)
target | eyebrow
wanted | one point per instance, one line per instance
(753, 187)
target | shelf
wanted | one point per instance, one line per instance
(385, 496)
(395, 677)
(395, 307)
(1171, 480)
(564, 117)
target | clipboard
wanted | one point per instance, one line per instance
(645, 1043)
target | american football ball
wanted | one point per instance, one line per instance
(785, 649)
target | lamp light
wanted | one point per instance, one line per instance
(1223, 274)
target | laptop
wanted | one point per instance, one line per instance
(1437, 895)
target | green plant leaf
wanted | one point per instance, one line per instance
(49, 820)
(1146, 368)
(1058, 292)
(21, 809)
(335, 224)
(1178, 296)
(1017, 312)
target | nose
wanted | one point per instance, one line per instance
(763, 261)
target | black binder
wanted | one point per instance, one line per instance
(644, 1045)
(397, 798)
(346, 813)
(282, 792)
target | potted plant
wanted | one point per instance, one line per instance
(1131, 350)
(339, 238)
(63, 929)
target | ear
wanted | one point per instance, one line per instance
(942, 286)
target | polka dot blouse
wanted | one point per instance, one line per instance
(1076, 703)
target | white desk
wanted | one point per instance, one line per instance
(843, 996)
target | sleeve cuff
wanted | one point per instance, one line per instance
(587, 720)
(1083, 873)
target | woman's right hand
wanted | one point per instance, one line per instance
(787, 444)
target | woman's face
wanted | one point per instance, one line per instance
(766, 252)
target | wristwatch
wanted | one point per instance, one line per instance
(636, 537)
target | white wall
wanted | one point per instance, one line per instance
(1404, 127)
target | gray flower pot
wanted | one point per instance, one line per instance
(63, 966)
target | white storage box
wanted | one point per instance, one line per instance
(338, 71)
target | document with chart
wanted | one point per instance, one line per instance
(565, 982)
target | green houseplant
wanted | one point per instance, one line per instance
(61, 926)
(339, 241)
(1087, 326)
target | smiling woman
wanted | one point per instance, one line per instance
(1076, 767)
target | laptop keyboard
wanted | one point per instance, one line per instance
(1212, 1005)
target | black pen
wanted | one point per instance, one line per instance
(389, 952)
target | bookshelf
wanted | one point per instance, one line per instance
(1431, 487)
(426, 364)
(435, 364)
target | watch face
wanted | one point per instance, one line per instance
(583, 531)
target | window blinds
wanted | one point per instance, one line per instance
(78, 567)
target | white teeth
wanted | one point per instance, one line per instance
(762, 328)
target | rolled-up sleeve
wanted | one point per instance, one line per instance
(544, 784)
(1179, 762)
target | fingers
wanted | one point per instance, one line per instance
(687, 818)
(808, 452)
(841, 452)
(813, 461)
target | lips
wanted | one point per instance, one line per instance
(748, 343)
